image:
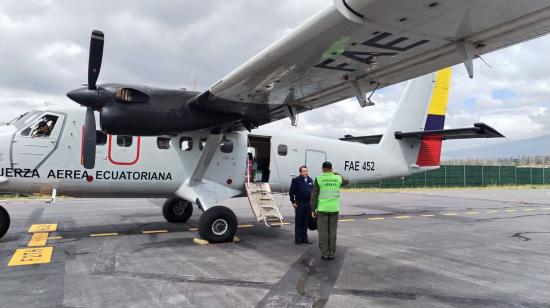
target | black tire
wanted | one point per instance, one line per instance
(177, 210)
(218, 224)
(4, 221)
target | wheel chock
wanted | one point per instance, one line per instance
(200, 241)
(236, 239)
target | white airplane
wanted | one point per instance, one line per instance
(192, 147)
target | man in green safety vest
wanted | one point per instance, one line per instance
(325, 205)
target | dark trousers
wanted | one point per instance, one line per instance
(303, 212)
(327, 224)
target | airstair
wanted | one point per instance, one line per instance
(263, 205)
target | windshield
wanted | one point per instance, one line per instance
(24, 119)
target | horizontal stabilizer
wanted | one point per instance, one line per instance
(479, 130)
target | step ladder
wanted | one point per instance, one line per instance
(263, 205)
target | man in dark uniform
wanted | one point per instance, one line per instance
(300, 192)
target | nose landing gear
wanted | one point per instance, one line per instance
(4, 221)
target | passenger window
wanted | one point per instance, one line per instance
(124, 141)
(163, 143)
(202, 143)
(186, 143)
(282, 149)
(226, 146)
(42, 128)
(100, 138)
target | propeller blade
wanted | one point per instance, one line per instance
(96, 56)
(89, 139)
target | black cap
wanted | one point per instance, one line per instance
(327, 165)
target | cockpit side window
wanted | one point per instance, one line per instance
(42, 128)
(24, 119)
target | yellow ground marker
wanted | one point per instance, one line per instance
(245, 226)
(346, 220)
(194, 229)
(200, 241)
(450, 214)
(376, 218)
(286, 223)
(103, 234)
(29, 256)
(403, 217)
(38, 239)
(494, 211)
(511, 210)
(55, 238)
(428, 215)
(43, 228)
(472, 213)
(529, 210)
(154, 231)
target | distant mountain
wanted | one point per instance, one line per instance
(505, 149)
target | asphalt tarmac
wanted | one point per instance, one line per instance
(433, 248)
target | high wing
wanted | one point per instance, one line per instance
(355, 46)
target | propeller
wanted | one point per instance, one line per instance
(91, 98)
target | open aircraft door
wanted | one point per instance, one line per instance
(314, 161)
(34, 143)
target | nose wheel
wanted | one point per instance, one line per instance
(218, 224)
(177, 210)
(4, 221)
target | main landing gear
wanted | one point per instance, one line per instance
(217, 224)
(4, 221)
(177, 210)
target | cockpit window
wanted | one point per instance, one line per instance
(24, 119)
(42, 128)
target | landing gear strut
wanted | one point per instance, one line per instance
(218, 224)
(177, 210)
(4, 221)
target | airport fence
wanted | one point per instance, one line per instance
(466, 176)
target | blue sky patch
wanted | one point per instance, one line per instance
(503, 94)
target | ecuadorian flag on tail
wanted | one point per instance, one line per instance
(430, 147)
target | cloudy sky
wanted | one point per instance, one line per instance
(44, 54)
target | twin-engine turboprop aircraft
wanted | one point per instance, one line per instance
(203, 168)
(193, 148)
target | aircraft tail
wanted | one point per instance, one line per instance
(422, 107)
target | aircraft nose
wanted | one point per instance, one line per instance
(6, 134)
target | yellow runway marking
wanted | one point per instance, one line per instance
(495, 211)
(529, 210)
(200, 241)
(512, 210)
(154, 231)
(38, 240)
(345, 220)
(55, 238)
(103, 234)
(245, 226)
(28, 256)
(286, 223)
(194, 229)
(546, 208)
(402, 217)
(43, 228)
(472, 213)
(450, 214)
(376, 218)
(428, 215)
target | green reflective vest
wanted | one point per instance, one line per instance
(329, 192)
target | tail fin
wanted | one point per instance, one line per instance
(422, 107)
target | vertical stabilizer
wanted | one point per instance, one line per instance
(422, 107)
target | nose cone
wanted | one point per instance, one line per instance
(84, 97)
